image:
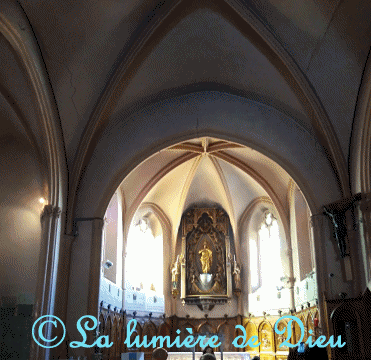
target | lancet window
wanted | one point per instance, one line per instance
(144, 269)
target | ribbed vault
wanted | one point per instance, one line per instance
(205, 171)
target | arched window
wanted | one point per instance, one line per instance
(267, 265)
(144, 268)
(270, 252)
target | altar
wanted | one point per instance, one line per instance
(218, 355)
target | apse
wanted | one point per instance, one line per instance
(266, 240)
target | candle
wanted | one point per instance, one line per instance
(315, 322)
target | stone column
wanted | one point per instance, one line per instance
(85, 270)
(47, 275)
(183, 270)
(228, 266)
(290, 284)
(364, 216)
(318, 223)
(167, 282)
(61, 296)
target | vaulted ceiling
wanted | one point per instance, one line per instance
(201, 44)
(109, 59)
(205, 171)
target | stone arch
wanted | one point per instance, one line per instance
(248, 223)
(195, 115)
(360, 168)
(313, 191)
(105, 107)
(27, 49)
(46, 138)
(208, 107)
(360, 146)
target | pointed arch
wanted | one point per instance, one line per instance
(248, 228)
(251, 330)
(157, 29)
(360, 145)
(279, 339)
(227, 193)
(149, 329)
(206, 324)
(150, 184)
(266, 336)
(108, 332)
(113, 338)
(165, 330)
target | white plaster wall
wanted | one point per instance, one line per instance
(21, 187)
(306, 291)
(110, 293)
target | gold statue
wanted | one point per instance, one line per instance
(175, 270)
(206, 258)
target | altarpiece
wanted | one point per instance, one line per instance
(205, 264)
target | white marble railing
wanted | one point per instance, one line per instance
(218, 355)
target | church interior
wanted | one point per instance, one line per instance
(196, 166)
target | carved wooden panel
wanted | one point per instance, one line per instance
(251, 330)
(310, 325)
(113, 336)
(279, 339)
(114, 325)
(165, 330)
(225, 331)
(266, 337)
(107, 331)
(297, 328)
(267, 357)
(205, 257)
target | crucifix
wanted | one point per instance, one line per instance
(336, 213)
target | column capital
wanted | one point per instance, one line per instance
(50, 211)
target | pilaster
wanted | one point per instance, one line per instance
(47, 275)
